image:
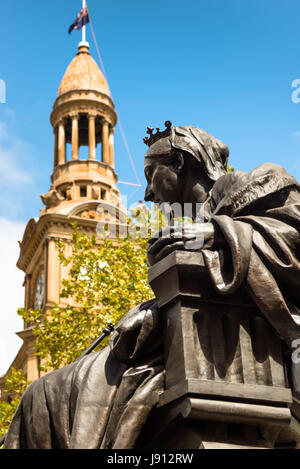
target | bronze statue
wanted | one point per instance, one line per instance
(250, 239)
(252, 221)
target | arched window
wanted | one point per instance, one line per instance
(39, 292)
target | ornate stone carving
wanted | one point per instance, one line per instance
(52, 198)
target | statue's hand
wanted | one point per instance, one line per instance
(190, 236)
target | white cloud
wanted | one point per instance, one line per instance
(9, 173)
(13, 155)
(12, 292)
(16, 169)
(293, 168)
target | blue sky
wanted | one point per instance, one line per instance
(222, 65)
(226, 66)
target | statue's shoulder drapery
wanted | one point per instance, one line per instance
(258, 214)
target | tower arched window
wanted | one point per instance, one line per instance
(39, 291)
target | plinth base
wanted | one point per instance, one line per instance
(226, 384)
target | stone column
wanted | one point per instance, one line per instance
(55, 131)
(52, 285)
(32, 371)
(26, 284)
(31, 360)
(224, 364)
(75, 147)
(111, 148)
(61, 143)
(92, 137)
(105, 142)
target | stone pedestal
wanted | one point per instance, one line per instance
(225, 377)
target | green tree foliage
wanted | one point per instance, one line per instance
(15, 385)
(105, 281)
(106, 278)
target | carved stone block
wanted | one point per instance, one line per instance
(224, 362)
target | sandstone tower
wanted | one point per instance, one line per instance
(83, 115)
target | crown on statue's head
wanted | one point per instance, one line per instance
(158, 135)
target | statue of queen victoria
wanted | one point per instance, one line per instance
(250, 243)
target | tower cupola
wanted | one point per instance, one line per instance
(83, 115)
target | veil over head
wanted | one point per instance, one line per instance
(205, 148)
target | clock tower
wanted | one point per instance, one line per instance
(83, 120)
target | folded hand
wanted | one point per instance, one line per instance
(188, 236)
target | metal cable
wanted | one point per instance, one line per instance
(119, 120)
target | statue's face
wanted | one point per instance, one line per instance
(171, 177)
(163, 183)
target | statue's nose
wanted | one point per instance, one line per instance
(149, 195)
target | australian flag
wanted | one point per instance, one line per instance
(81, 20)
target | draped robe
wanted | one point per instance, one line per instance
(104, 399)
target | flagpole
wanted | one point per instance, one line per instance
(83, 29)
(83, 42)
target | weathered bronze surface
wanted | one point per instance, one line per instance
(206, 364)
(225, 380)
